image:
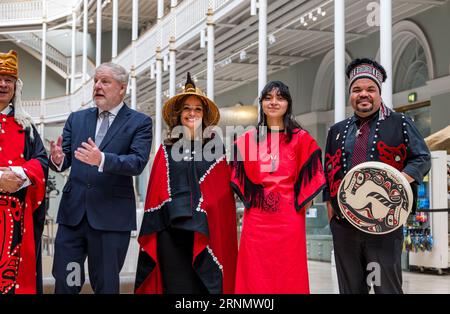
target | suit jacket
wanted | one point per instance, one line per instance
(107, 198)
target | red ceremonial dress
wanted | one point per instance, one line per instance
(17, 225)
(274, 188)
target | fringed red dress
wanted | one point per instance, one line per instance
(275, 184)
(188, 237)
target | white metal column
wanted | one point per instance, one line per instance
(85, 38)
(339, 60)
(43, 67)
(135, 20)
(115, 25)
(158, 100)
(98, 44)
(210, 59)
(160, 12)
(73, 56)
(172, 67)
(386, 49)
(262, 46)
(134, 36)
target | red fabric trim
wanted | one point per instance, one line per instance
(333, 166)
(26, 278)
(220, 207)
(153, 283)
(158, 186)
(10, 256)
(389, 154)
(315, 181)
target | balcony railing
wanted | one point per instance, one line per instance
(58, 109)
(183, 21)
(30, 12)
(54, 56)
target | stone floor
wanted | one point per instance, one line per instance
(322, 278)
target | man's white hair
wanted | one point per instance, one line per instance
(20, 115)
(120, 73)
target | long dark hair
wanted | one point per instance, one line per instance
(288, 119)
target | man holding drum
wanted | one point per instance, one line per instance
(374, 161)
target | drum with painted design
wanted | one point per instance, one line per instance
(375, 197)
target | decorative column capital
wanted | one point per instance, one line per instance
(172, 43)
(209, 16)
(133, 72)
(158, 54)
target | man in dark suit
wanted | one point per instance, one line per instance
(105, 146)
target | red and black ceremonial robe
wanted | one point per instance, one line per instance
(215, 234)
(22, 213)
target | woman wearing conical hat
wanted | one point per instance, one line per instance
(188, 241)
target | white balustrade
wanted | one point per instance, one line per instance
(217, 4)
(30, 12)
(32, 107)
(57, 106)
(88, 88)
(82, 98)
(76, 100)
(190, 14)
(145, 49)
(16, 13)
(125, 59)
(57, 8)
(34, 42)
(180, 22)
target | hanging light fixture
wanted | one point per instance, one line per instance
(243, 55)
(272, 39)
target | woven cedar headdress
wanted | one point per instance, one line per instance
(9, 65)
(211, 113)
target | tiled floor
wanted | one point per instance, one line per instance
(322, 278)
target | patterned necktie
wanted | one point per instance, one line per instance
(361, 142)
(103, 128)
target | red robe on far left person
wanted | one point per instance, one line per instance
(22, 213)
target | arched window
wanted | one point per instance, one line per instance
(411, 70)
(412, 58)
(413, 66)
